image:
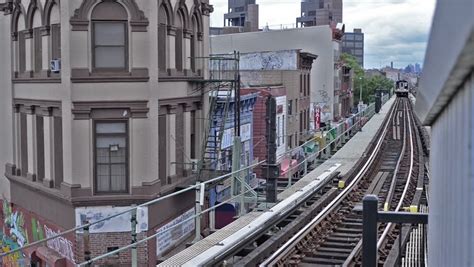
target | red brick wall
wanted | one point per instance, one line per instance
(99, 243)
(24, 227)
(259, 127)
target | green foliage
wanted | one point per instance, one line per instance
(351, 61)
(368, 84)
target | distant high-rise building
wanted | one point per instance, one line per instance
(242, 13)
(409, 68)
(353, 44)
(417, 68)
(319, 12)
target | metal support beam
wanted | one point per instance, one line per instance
(197, 220)
(133, 222)
(371, 217)
(403, 217)
(369, 231)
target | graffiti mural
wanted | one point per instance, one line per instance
(62, 245)
(21, 227)
(15, 225)
(13, 260)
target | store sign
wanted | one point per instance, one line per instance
(228, 136)
(174, 232)
(245, 132)
(279, 109)
(317, 118)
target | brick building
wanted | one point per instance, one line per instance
(314, 40)
(259, 121)
(292, 70)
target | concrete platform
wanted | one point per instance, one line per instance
(203, 245)
(347, 156)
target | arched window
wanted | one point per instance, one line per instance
(55, 24)
(20, 46)
(109, 37)
(179, 23)
(37, 42)
(194, 42)
(163, 49)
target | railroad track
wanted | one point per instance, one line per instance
(334, 235)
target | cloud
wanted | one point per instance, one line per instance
(395, 30)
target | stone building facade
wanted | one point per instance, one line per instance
(105, 106)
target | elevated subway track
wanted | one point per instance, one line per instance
(333, 237)
(230, 245)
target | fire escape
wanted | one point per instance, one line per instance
(222, 87)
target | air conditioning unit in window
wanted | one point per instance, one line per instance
(194, 165)
(55, 65)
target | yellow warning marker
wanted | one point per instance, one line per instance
(341, 184)
(414, 208)
(385, 206)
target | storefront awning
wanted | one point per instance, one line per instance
(285, 165)
(310, 147)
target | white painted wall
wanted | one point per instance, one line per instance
(445, 101)
(451, 208)
(316, 40)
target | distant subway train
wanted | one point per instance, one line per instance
(401, 88)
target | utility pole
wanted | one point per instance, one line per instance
(272, 169)
(359, 109)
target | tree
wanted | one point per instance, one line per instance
(368, 84)
(359, 76)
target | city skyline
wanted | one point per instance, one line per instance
(383, 44)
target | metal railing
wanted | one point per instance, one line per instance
(199, 187)
(287, 247)
(324, 152)
(371, 216)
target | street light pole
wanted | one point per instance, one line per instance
(360, 91)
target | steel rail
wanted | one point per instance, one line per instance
(285, 248)
(410, 173)
(358, 247)
(263, 222)
(391, 191)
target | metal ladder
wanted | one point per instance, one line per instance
(223, 77)
(219, 102)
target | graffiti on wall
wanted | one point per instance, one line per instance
(12, 260)
(21, 228)
(61, 244)
(272, 60)
(14, 224)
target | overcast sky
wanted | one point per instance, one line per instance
(395, 30)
